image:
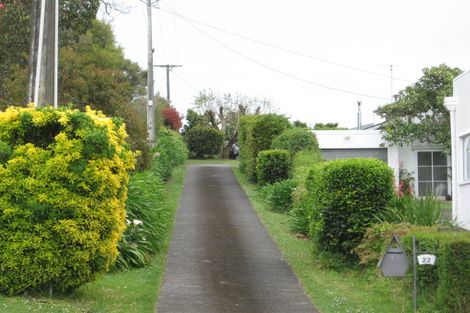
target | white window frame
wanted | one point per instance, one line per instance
(432, 181)
(466, 158)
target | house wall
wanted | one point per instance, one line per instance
(459, 107)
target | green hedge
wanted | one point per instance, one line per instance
(444, 287)
(62, 194)
(273, 166)
(170, 151)
(346, 194)
(204, 142)
(295, 140)
(256, 134)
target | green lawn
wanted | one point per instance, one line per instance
(331, 291)
(125, 291)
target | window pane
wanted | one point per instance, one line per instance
(424, 158)
(439, 158)
(425, 188)
(467, 159)
(440, 173)
(440, 188)
(424, 173)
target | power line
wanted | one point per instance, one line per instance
(301, 54)
(282, 72)
(186, 82)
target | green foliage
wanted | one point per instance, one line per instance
(418, 113)
(295, 140)
(62, 196)
(204, 142)
(424, 211)
(327, 126)
(279, 195)
(444, 286)
(273, 166)
(256, 134)
(169, 152)
(346, 194)
(146, 221)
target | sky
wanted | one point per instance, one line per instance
(312, 59)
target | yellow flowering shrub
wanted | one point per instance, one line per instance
(63, 187)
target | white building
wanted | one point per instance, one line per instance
(426, 163)
(459, 107)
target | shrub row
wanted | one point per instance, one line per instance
(204, 142)
(146, 205)
(63, 185)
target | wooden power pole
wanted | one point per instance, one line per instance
(42, 85)
(168, 68)
(150, 82)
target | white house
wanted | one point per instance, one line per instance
(459, 107)
(426, 163)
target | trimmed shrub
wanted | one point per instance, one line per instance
(273, 166)
(444, 286)
(279, 195)
(204, 142)
(170, 151)
(256, 134)
(346, 195)
(62, 196)
(295, 140)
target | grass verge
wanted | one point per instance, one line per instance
(124, 291)
(331, 291)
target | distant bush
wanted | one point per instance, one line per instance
(204, 142)
(273, 166)
(279, 195)
(256, 134)
(346, 195)
(295, 140)
(62, 191)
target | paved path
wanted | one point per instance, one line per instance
(221, 259)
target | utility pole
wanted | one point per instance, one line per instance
(42, 86)
(150, 82)
(168, 69)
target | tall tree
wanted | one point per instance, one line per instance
(418, 113)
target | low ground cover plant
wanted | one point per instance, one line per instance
(63, 186)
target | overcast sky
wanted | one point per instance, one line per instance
(326, 50)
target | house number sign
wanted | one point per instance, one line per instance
(426, 259)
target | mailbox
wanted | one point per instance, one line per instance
(394, 263)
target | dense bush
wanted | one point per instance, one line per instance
(273, 166)
(279, 195)
(346, 194)
(170, 151)
(295, 140)
(445, 285)
(146, 206)
(256, 134)
(204, 142)
(62, 195)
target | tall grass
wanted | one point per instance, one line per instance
(424, 211)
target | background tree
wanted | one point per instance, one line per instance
(418, 113)
(222, 112)
(172, 118)
(327, 126)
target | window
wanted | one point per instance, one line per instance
(466, 158)
(432, 173)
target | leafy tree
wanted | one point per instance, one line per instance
(172, 118)
(418, 113)
(299, 124)
(327, 126)
(223, 112)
